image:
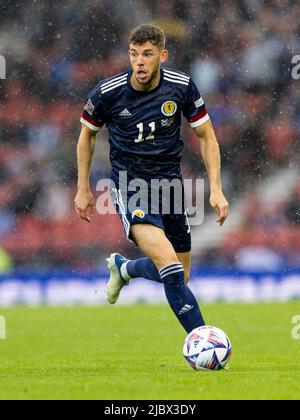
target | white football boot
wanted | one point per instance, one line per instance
(118, 277)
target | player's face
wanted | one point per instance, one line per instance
(145, 61)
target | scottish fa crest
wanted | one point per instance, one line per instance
(169, 108)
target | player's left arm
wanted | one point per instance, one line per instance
(210, 152)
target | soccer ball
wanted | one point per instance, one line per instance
(207, 348)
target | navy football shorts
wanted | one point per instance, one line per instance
(165, 210)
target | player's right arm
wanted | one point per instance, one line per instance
(84, 201)
(92, 119)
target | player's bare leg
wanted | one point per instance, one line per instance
(185, 259)
(154, 243)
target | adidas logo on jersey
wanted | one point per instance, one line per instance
(125, 113)
(185, 309)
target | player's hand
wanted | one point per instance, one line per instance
(220, 205)
(85, 205)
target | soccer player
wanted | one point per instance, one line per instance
(142, 110)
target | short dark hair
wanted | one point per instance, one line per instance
(148, 32)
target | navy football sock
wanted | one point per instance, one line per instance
(180, 297)
(143, 267)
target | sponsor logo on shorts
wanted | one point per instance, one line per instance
(138, 213)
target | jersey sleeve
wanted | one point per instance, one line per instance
(93, 112)
(194, 109)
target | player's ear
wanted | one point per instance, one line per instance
(164, 55)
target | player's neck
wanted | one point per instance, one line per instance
(145, 87)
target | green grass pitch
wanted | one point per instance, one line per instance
(135, 352)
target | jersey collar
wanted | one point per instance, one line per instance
(140, 92)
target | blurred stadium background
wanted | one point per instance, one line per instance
(239, 53)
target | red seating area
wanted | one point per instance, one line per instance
(65, 237)
(282, 239)
(245, 80)
(275, 227)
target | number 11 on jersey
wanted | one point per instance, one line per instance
(141, 138)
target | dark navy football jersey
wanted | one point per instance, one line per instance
(144, 127)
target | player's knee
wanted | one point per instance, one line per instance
(163, 256)
(162, 261)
